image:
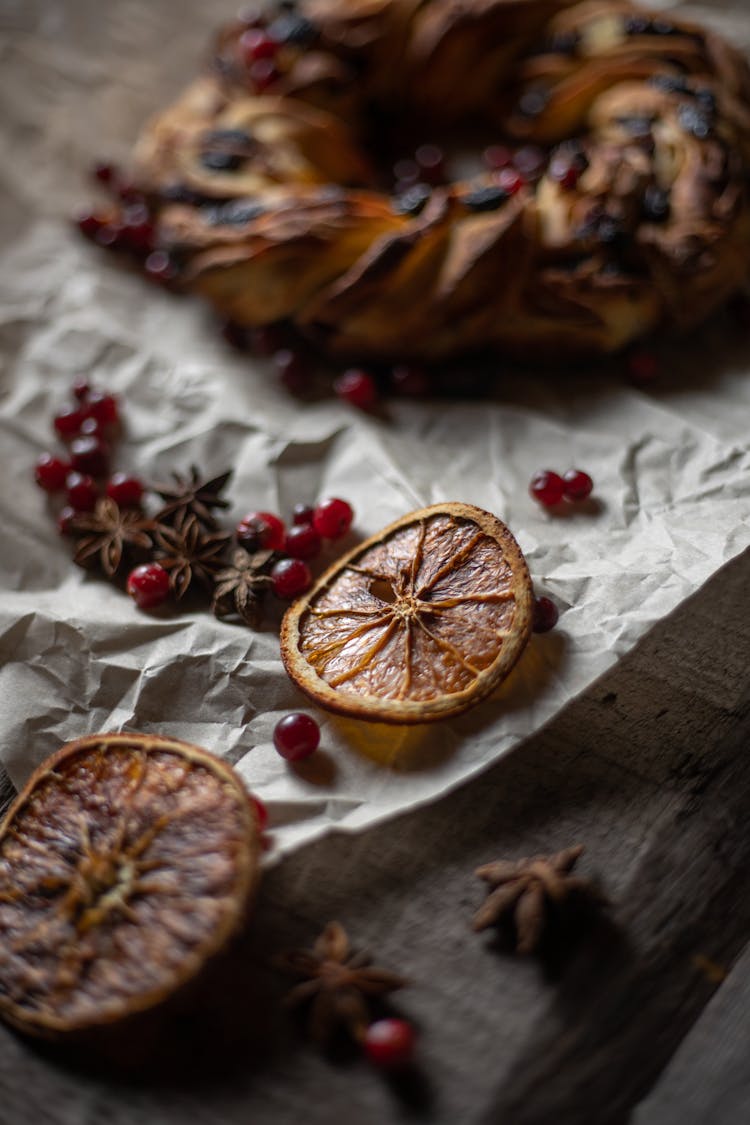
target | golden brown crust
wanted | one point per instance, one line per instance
(455, 552)
(654, 228)
(126, 864)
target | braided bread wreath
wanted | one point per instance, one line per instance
(270, 198)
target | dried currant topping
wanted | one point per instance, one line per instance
(293, 30)
(547, 488)
(302, 542)
(90, 455)
(533, 102)
(656, 204)
(333, 518)
(51, 473)
(358, 388)
(413, 201)
(240, 588)
(546, 615)
(190, 554)
(260, 530)
(296, 737)
(125, 490)
(389, 1043)
(192, 496)
(148, 585)
(82, 492)
(290, 577)
(110, 533)
(485, 198)
(577, 485)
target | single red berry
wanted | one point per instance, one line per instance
(261, 812)
(410, 380)
(263, 73)
(431, 163)
(292, 371)
(643, 367)
(302, 542)
(91, 427)
(496, 157)
(509, 180)
(67, 422)
(390, 1043)
(90, 222)
(357, 388)
(103, 407)
(81, 389)
(51, 472)
(257, 44)
(82, 492)
(148, 585)
(302, 513)
(296, 736)
(160, 267)
(127, 492)
(547, 488)
(90, 455)
(333, 518)
(546, 615)
(105, 172)
(64, 518)
(259, 530)
(290, 577)
(578, 485)
(137, 228)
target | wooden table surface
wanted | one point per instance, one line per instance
(646, 1020)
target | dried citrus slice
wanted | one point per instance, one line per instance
(420, 622)
(125, 864)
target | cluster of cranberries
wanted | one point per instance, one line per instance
(550, 489)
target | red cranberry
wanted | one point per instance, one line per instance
(302, 513)
(259, 530)
(90, 223)
(51, 472)
(410, 380)
(357, 388)
(643, 367)
(496, 157)
(292, 371)
(510, 181)
(577, 485)
(90, 427)
(64, 519)
(546, 615)
(390, 1043)
(127, 492)
(431, 163)
(257, 44)
(81, 389)
(333, 518)
(290, 577)
(296, 736)
(302, 542)
(263, 74)
(90, 455)
(160, 267)
(148, 585)
(565, 172)
(137, 228)
(103, 407)
(261, 812)
(547, 488)
(82, 492)
(67, 422)
(105, 172)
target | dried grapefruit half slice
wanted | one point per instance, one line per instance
(418, 623)
(126, 863)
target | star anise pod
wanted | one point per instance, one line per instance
(240, 587)
(191, 496)
(109, 533)
(189, 552)
(337, 982)
(526, 892)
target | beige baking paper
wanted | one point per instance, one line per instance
(672, 467)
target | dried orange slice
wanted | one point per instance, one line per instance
(420, 622)
(125, 864)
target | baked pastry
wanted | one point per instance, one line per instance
(624, 206)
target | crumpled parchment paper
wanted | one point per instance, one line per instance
(671, 466)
